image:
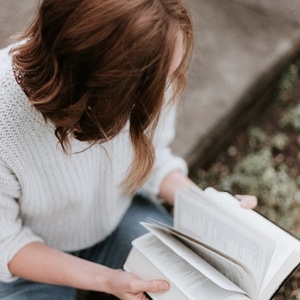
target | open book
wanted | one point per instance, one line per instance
(216, 250)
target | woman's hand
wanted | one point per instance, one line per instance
(38, 262)
(127, 286)
(247, 201)
(176, 180)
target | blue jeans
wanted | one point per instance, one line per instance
(111, 252)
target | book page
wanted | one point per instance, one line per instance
(199, 257)
(286, 257)
(286, 245)
(138, 264)
(195, 215)
(185, 277)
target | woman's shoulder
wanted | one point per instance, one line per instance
(5, 57)
(9, 87)
(13, 101)
(6, 74)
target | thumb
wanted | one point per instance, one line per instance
(155, 286)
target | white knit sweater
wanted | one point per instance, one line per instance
(68, 201)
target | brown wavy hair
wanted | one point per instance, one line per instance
(92, 66)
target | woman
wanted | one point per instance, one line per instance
(86, 116)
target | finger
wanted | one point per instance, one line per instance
(247, 201)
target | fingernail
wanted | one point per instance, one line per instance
(163, 286)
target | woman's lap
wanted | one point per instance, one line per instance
(111, 252)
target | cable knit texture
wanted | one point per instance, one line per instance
(68, 201)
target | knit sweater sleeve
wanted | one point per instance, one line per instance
(166, 161)
(13, 235)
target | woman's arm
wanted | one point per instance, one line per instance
(177, 180)
(172, 182)
(38, 262)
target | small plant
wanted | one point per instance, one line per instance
(291, 118)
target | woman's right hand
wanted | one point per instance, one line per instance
(41, 263)
(127, 286)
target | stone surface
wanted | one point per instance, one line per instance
(241, 48)
(14, 15)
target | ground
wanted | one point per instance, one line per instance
(264, 159)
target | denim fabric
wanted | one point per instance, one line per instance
(111, 252)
